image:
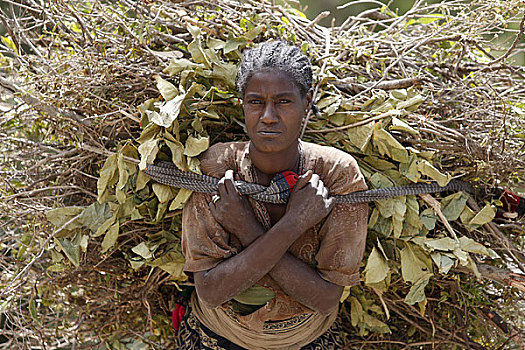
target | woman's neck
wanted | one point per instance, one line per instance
(273, 163)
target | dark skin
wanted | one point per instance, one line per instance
(274, 109)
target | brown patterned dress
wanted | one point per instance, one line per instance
(334, 247)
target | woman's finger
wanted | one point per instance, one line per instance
(229, 182)
(303, 180)
(223, 190)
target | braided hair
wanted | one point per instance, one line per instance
(275, 56)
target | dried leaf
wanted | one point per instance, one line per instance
(166, 89)
(148, 151)
(107, 176)
(71, 250)
(429, 170)
(142, 250)
(172, 263)
(182, 197)
(163, 192)
(95, 215)
(110, 238)
(376, 268)
(360, 136)
(484, 216)
(417, 291)
(60, 216)
(415, 263)
(196, 145)
(388, 145)
(452, 206)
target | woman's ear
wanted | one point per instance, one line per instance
(309, 99)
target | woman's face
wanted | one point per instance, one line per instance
(273, 111)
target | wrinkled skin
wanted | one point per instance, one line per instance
(274, 109)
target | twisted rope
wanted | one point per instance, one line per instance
(278, 191)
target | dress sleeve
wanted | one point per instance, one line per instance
(343, 233)
(204, 242)
(343, 238)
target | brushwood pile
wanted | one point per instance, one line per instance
(93, 91)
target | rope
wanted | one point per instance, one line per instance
(279, 191)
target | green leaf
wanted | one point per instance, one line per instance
(142, 181)
(398, 215)
(375, 325)
(379, 164)
(197, 53)
(429, 18)
(345, 294)
(376, 269)
(226, 72)
(254, 32)
(168, 112)
(411, 104)
(412, 213)
(110, 238)
(255, 295)
(166, 89)
(196, 145)
(9, 43)
(102, 229)
(142, 250)
(194, 30)
(356, 311)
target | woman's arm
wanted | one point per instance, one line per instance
(266, 252)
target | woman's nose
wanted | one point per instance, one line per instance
(269, 114)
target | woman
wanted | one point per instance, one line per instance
(270, 276)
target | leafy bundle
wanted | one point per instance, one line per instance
(94, 91)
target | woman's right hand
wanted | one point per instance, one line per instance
(309, 202)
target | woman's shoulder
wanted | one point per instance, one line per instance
(221, 157)
(327, 154)
(338, 169)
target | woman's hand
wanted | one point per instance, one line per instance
(309, 201)
(233, 211)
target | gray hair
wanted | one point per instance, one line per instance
(275, 56)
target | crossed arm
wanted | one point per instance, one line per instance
(266, 252)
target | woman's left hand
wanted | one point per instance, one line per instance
(233, 211)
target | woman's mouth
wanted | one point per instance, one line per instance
(268, 133)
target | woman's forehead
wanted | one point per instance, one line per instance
(274, 82)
